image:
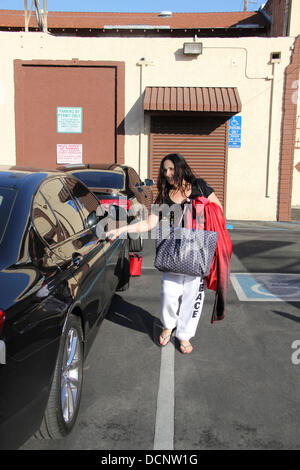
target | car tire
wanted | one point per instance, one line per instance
(64, 399)
(136, 245)
(125, 271)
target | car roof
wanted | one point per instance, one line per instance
(93, 166)
(72, 170)
(16, 176)
(80, 171)
(16, 179)
(31, 169)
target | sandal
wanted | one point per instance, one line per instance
(186, 349)
(164, 340)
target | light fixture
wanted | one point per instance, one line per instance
(275, 57)
(192, 48)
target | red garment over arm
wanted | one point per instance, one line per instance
(218, 278)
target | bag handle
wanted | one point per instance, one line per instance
(187, 207)
(190, 205)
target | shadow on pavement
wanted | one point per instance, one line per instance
(289, 316)
(134, 317)
(255, 247)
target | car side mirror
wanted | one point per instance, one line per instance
(92, 219)
(149, 182)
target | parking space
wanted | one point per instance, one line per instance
(239, 389)
(260, 287)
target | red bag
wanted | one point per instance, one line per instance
(135, 265)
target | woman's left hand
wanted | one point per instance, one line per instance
(113, 234)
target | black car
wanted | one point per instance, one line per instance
(120, 185)
(57, 281)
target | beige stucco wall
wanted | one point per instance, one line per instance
(243, 63)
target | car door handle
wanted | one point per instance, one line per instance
(76, 257)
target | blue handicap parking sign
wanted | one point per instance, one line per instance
(235, 132)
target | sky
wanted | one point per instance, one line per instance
(175, 6)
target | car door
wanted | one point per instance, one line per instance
(80, 252)
(116, 250)
(113, 250)
(37, 299)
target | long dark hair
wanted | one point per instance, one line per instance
(182, 173)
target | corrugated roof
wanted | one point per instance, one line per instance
(86, 20)
(203, 99)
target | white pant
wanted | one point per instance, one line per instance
(182, 300)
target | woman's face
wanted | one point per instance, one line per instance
(169, 170)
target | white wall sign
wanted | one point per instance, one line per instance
(69, 153)
(69, 120)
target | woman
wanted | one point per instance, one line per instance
(182, 296)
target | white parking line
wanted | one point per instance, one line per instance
(164, 425)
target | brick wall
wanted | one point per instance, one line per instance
(276, 9)
(288, 135)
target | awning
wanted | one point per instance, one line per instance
(199, 99)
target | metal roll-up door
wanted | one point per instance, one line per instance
(201, 140)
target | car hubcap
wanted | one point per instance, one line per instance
(71, 375)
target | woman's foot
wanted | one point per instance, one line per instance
(185, 347)
(165, 337)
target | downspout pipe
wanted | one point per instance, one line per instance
(141, 120)
(270, 133)
(143, 62)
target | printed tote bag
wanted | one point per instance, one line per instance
(185, 251)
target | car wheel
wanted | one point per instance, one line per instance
(64, 399)
(136, 245)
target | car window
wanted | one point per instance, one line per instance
(84, 198)
(45, 222)
(7, 199)
(100, 179)
(63, 206)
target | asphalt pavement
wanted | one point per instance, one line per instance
(240, 387)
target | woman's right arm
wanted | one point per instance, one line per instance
(139, 227)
